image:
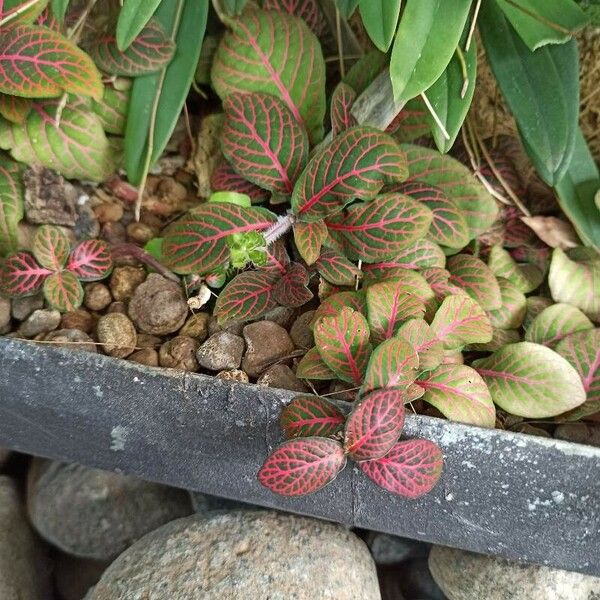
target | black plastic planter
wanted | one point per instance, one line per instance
(506, 494)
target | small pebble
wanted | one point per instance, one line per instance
(301, 333)
(179, 353)
(117, 334)
(233, 375)
(78, 319)
(266, 342)
(125, 280)
(145, 356)
(40, 321)
(73, 339)
(140, 233)
(4, 315)
(221, 351)
(97, 296)
(145, 340)
(117, 307)
(283, 378)
(196, 326)
(21, 308)
(109, 212)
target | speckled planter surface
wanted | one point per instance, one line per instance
(513, 495)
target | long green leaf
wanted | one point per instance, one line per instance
(159, 97)
(133, 16)
(59, 8)
(426, 39)
(346, 7)
(576, 192)
(541, 89)
(380, 18)
(541, 22)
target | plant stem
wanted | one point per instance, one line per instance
(278, 229)
(473, 24)
(435, 116)
(540, 18)
(18, 10)
(140, 254)
(340, 44)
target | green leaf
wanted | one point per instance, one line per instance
(51, 247)
(149, 52)
(346, 7)
(576, 282)
(388, 306)
(12, 13)
(421, 255)
(512, 312)
(333, 305)
(393, 364)
(476, 278)
(336, 268)
(133, 17)
(500, 338)
(356, 164)
(426, 39)
(309, 238)
(556, 322)
(456, 182)
(11, 204)
(342, 99)
(364, 71)
(312, 366)
(459, 321)
(451, 97)
(63, 291)
(15, 108)
(343, 343)
(274, 53)
(576, 192)
(525, 277)
(78, 148)
(530, 380)
(234, 7)
(460, 394)
(541, 89)
(163, 94)
(380, 18)
(423, 340)
(307, 416)
(112, 109)
(535, 305)
(36, 62)
(59, 8)
(539, 22)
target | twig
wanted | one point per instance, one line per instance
(140, 254)
(340, 43)
(464, 71)
(75, 32)
(472, 27)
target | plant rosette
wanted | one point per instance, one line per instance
(55, 268)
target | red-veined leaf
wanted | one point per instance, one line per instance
(277, 54)
(393, 364)
(78, 148)
(196, 243)
(422, 254)
(448, 227)
(150, 51)
(530, 380)
(439, 280)
(332, 305)
(11, 203)
(377, 230)
(291, 290)
(343, 343)
(263, 141)
(20, 275)
(534, 306)
(582, 350)
(307, 416)
(112, 109)
(411, 469)
(277, 258)
(556, 322)
(302, 466)
(36, 62)
(525, 277)
(500, 337)
(63, 291)
(356, 164)
(411, 282)
(423, 341)
(411, 123)
(374, 425)
(512, 312)
(309, 238)
(459, 321)
(90, 260)
(456, 182)
(460, 394)
(312, 366)
(388, 306)
(15, 108)
(225, 179)
(336, 268)
(476, 278)
(248, 295)
(51, 247)
(342, 99)
(366, 69)
(16, 11)
(308, 10)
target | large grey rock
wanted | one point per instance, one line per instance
(24, 573)
(39, 321)
(97, 514)
(468, 576)
(4, 315)
(242, 556)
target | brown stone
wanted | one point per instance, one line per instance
(4, 315)
(140, 233)
(21, 308)
(221, 351)
(283, 378)
(49, 198)
(145, 340)
(196, 326)
(40, 322)
(97, 296)
(125, 280)
(179, 353)
(233, 375)
(109, 212)
(117, 335)
(145, 356)
(301, 332)
(117, 307)
(78, 319)
(74, 339)
(266, 342)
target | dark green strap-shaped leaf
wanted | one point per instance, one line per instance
(133, 16)
(451, 98)
(426, 39)
(541, 22)
(541, 89)
(576, 192)
(59, 8)
(164, 93)
(346, 7)
(380, 18)
(234, 7)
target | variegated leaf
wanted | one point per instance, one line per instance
(51, 247)
(460, 394)
(63, 291)
(263, 142)
(308, 10)
(11, 204)
(411, 469)
(394, 364)
(333, 305)
(312, 366)
(307, 416)
(424, 342)
(530, 380)
(336, 268)
(500, 338)
(476, 278)
(525, 277)
(341, 103)
(582, 350)
(309, 238)
(15, 108)
(422, 254)
(439, 281)
(112, 109)
(21, 275)
(90, 260)
(534, 306)
(225, 179)
(277, 54)
(374, 425)
(291, 290)
(355, 164)
(514, 304)
(556, 322)
(343, 343)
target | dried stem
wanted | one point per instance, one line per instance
(140, 254)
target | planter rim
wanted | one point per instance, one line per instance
(514, 495)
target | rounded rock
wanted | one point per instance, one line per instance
(242, 555)
(282, 378)
(179, 353)
(96, 514)
(78, 319)
(21, 308)
(301, 333)
(158, 306)
(97, 296)
(125, 280)
(221, 351)
(145, 356)
(465, 576)
(196, 326)
(117, 335)
(73, 339)
(39, 321)
(233, 375)
(266, 342)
